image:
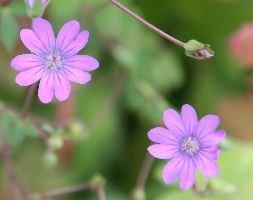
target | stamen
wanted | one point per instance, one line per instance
(190, 146)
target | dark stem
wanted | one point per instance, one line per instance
(143, 175)
(66, 191)
(18, 190)
(28, 101)
(147, 24)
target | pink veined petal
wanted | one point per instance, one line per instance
(77, 44)
(29, 76)
(172, 169)
(207, 124)
(67, 34)
(46, 88)
(211, 153)
(61, 86)
(206, 166)
(162, 136)
(32, 42)
(187, 174)
(26, 61)
(190, 119)
(83, 62)
(30, 3)
(76, 75)
(163, 151)
(45, 33)
(213, 138)
(173, 122)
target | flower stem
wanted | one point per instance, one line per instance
(147, 24)
(143, 175)
(28, 101)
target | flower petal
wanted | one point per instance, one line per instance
(77, 76)
(190, 119)
(67, 34)
(163, 151)
(61, 86)
(26, 61)
(173, 122)
(211, 153)
(187, 174)
(83, 62)
(32, 42)
(172, 169)
(77, 44)
(206, 166)
(29, 76)
(45, 33)
(162, 136)
(213, 138)
(207, 124)
(46, 88)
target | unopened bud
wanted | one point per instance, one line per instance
(198, 50)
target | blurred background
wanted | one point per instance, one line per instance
(99, 133)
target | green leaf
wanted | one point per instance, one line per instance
(9, 29)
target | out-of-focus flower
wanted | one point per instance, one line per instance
(30, 3)
(188, 144)
(53, 60)
(241, 45)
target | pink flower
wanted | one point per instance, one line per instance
(31, 3)
(53, 60)
(188, 144)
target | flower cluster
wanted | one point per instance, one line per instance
(53, 61)
(188, 144)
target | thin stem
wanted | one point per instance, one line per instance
(66, 191)
(28, 101)
(147, 24)
(143, 175)
(18, 190)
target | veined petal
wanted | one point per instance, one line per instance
(207, 124)
(172, 169)
(77, 75)
(83, 62)
(173, 122)
(213, 138)
(26, 61)
(32, 42)
(163, 151)
(187, 174)
(76, 45)
(211, 153)
(61, 86)
(190, 119)
(67, 34)
(162, 136)
(206, 166)
(45, 33)
(29, 76)
(46, 88)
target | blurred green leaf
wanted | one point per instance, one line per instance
(9, 29)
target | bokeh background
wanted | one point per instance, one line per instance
(101, 130)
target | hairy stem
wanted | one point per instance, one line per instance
(28, 101)
(18, 189)
(143, 175)
(147, 24)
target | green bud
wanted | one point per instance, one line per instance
(139, 194)
(55, 142)
(198, 50)
(50, 159)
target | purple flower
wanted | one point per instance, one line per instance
(188, 144)
(31, 3)
(53, 60)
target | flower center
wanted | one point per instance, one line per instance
(54, 61)
(190, 145)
